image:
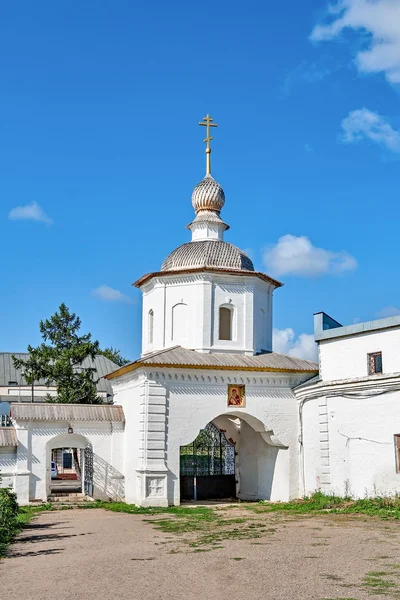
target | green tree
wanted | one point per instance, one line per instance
(58, 360)
(115, 355)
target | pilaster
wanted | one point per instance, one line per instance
(324, 443)
(151, 479)
(22, 474)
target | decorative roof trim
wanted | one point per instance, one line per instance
(142, 280)
(139, 364)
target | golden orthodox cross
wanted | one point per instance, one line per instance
(208, 122)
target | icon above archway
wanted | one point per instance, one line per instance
(237, 395)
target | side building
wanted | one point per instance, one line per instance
(349, 426)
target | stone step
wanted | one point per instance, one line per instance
(65, 494)
(67, 498)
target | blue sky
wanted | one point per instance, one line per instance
(101, 150)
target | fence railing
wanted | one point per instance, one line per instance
(5, 421)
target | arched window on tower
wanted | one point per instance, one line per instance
(150, 326)
(225, 323)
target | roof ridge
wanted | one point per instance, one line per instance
(157, 353)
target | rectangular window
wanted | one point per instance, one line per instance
(397, 449)
(375, 363)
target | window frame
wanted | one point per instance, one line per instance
(397, 451)
(230, 309)
(371, 363)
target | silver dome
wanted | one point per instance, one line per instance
(208, 195)
(207, 253)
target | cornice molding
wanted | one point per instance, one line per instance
(160, 366)
(366, 387)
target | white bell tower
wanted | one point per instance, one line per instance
(207, 296)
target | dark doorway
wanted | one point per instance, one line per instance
(207, 466)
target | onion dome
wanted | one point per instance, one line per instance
(207, 254)
(208, 195)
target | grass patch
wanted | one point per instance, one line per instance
(318, 503)
(376, 584)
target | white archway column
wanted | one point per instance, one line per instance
(151, 476)
(23, 472)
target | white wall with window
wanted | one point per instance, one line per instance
(349, 426)
(360, 350)
(186, 310)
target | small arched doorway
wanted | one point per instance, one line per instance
(207, 466)
(69, 465)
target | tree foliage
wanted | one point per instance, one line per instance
(8, 518)
(115, 355)
(59, 358)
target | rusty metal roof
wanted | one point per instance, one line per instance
(66, 412)
(178, 357)
(8, 436)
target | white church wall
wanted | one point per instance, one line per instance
(153, 300)
(34, 455)
(356, 454)
(311, 478)
(186, 312)
(8, 467)
(195, 399)
(346, 357)
(247, 464)
(362, 447)
(263, 317)
(129, 393)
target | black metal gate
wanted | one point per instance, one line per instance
(207, 466)
(88, 471)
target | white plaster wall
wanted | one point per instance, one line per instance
(263, 469)
(195, 399)
(202, 295)
(310, 452)
(344, 358)
(247, 464)
(8, 467)
(263, 317)
(128, 393)
(362, 458)
(35, 441)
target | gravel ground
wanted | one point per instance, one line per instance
(104, 555)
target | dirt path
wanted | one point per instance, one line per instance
(102, 555)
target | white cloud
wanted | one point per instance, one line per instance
(378, 24)
(297, 256)
(388, 311)
(363, 123)
(109, 294)
(285, 341)
(30, 212)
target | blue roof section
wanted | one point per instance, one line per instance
(322, 330)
